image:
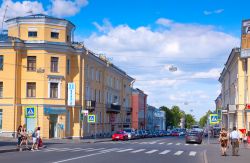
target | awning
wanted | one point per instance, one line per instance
(54, 110)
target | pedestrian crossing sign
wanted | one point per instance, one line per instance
(213, 119)
(30, 111)
(91, 118)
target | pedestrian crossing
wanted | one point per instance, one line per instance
(150, 143)
(124, 150)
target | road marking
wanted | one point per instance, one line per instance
(144, 143)
(81, 149)
(178, 143)
(186, 144)
(153, 142)
(162, 143)
(152, 151)
(195, 144)
(139, 150)
(169, 143)
(178, 153)
(125, 150)
(192, 153)
(164, 152)
(90, 150)
(76, 158)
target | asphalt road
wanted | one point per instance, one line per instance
(148, 150)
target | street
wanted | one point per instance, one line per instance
(172, 149)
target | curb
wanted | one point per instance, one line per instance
(8, 150)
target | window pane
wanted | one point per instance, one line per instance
(1, 62)
(32, 34)
(53, 90)
(68, 66)
(1, 119)
(54, 64)
(31, 89)
(31, 63)
(54, 35)
(1, 89)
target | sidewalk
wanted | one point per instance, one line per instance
(10, 144)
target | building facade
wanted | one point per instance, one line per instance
(139, 109)
(47, 80)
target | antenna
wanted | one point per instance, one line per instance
(4, 16)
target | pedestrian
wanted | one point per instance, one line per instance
(24, 138)
(19, 135)
(235, 141)
(38, 138)
(245, 140)
(34, 139)
(223, 141)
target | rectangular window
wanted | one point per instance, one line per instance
(97, 75)
(95, 95)
(1, 119)
(53, 90)
(87, 73)
(100, 98)
(54, 64)
(1, 89)
(68, 66)
(31, 89)
(1, 62)
(54, 35)
(31, 63)
(92, 74)
(32, 33)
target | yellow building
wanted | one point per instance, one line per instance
(42, 78)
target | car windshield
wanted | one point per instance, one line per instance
(119, 132)
(128, 130)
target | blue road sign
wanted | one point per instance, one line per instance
(30, 112)
(91, 118)
(213, 118)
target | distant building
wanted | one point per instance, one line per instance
(139, 109)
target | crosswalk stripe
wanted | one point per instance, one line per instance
(125, 150)
(152, 142)
(186, 144)
(178, 143)
(164, 152)
(152, 151)
(162, 143)
(192, 153)
(90, 150)
(178, 153)
(139, 150)
(169, 143)
(195, 144)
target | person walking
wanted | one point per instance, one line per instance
(24, 138)
(235, 141)
(223, 141)
(34, 140)
(19, 136)
(38, 138)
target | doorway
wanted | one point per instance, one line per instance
(53, 126)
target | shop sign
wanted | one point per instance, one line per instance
(91, 118)
(71, 94)
(30, 111)
(213, 119)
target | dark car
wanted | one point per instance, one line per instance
(194, 137)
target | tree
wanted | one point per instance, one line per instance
(168, 116)
(177, 115)
(203, 120)
(190, 120)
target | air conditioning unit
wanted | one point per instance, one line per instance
(40, 70)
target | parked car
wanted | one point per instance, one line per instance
(130, 132)
(194, 137)
(175, 133)
(120, 135)
(149, 134)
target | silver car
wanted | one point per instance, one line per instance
(130, 132)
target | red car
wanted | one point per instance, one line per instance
(175, 133)
(120, 135)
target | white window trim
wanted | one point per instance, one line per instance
(59, 87)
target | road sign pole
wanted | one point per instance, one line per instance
(208, 142)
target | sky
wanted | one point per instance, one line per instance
(147, 37)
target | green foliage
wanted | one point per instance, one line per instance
(203, 120)
(190, 120)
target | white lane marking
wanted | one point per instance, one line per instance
(186, 144)
(144, 143)
(152, 151)
(169, 143)
(192, 153)
(178, 153)
(90, 150)
(153, 142)
(139, 150)
(125, 150)
(178, 143)
(162, 143)
(76, 158)
(81, 149)
(136, 142)
(164, 152)
(195, 144)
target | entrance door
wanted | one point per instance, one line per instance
(31, 124)
(53, 126)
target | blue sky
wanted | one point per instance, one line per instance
(146, 37)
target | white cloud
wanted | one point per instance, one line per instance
(64, 8)
(214, 73)
(58, 8)
(106, 27)
(219, 11)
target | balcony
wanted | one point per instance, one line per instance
(90, 105)
(113, 108)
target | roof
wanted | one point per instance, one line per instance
(39, 16)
